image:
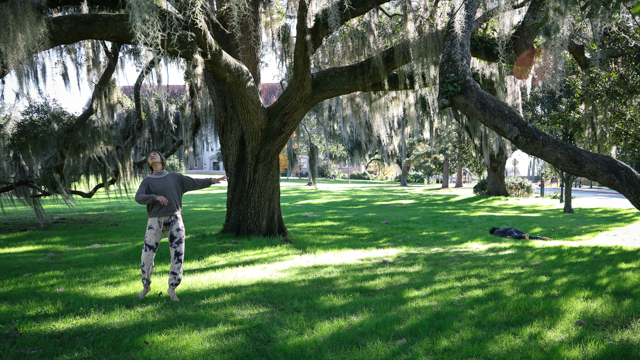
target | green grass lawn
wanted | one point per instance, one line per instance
(430, 284)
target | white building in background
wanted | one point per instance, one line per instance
(522, 163)
(208, 157)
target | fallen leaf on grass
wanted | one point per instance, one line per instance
(160, 293)
(95, 245)
(580, 323)
(58, 290)
(447, 235)
(25, 275)
(146, 342)
(401, 341)
(309, 215)
(385, 222)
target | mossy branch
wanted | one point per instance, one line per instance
(347, 9)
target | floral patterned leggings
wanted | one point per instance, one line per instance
(156, 226)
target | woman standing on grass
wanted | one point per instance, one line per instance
(162, 193)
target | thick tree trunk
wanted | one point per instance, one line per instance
(404, 178)
(251, 164)
(445, 173)
(253, 199)
(495, 174)
(459, 177)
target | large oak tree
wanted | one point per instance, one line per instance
(429, 46)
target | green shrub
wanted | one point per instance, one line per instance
(417, 178)
(411, 178)
(175, 165)
(519, 187)
(327, 169)
(481, 187)
(359, 176)
(381, 177)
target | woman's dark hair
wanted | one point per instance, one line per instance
(492, 230)
(162, 159)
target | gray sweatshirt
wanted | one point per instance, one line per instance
(171, 186)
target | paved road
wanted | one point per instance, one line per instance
(586, 197)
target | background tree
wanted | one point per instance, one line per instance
(92, 150)
(426, 160)
(558, 111)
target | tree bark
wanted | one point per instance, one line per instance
(253, 198)
(405, 169)
(445, 173)
(568, 181)
(459, 177)
(251, 163)
(495, 174)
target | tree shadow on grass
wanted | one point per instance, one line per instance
(504, 302)
(503, 299)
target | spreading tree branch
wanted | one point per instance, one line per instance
(137, 88)
(521, 40)
(472, 101)
(348, 9)
(12, 186)
(86, 195)
(495, 11)
(105, 4)
(98, 91)
(361, 76)
(167, 154)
